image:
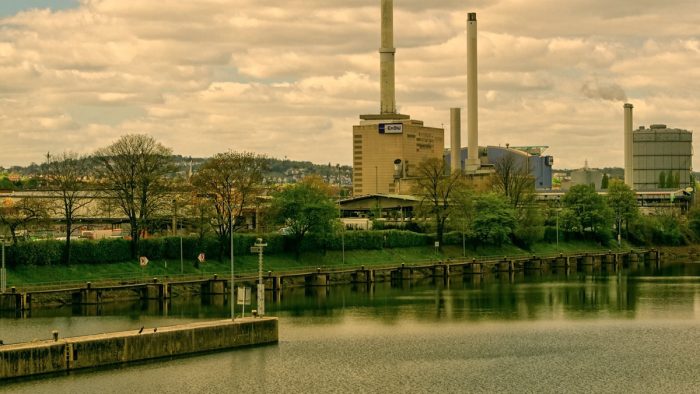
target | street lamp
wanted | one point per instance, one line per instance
(3, 271)
(258, 247)
(230, 224)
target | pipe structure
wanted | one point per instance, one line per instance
(455, 140)
(386, 60)
(473, 162)
(629, 143)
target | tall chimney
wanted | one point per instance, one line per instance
(473, 162)
(629, 143)
(455, 140)
(386, 59)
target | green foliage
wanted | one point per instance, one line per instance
(494, 219)
(605, 182)
(585, 213)
(304, 208)
(660, 229)
(623, 202)
(529, 228)
(662, 180)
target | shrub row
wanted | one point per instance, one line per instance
(40, 253)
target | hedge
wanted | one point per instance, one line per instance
(40, 253)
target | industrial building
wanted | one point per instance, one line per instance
(657, 157)
(527, 157)
(388, 146)
(663, 155)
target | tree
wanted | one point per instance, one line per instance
(21, 213)
(623, 202)
(435, 187)
(605, 182)
(135, 171)
(231, 180)
(585, 212)
(304, 208)
(513, 179)
(66, 177)
(494, 219)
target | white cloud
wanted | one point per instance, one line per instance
(289, 78)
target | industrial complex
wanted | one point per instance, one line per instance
(388, 146)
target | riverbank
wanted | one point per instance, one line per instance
(247, 264)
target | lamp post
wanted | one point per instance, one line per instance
(258, 247)
(233, 301)
(3, 272)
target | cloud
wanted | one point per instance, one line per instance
(610, 91)
(289, 78)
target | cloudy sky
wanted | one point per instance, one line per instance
(290, 77)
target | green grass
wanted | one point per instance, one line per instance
(247, 265)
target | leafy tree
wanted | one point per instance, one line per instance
(304, 208)
(435, 186)
(623, 202)
(135, 172)
(494, 218)
(605, 182)
(231, 180)
(585, 212)
(529, 227)
(21, 213)
(66, 177)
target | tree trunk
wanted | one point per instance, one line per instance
(66, 250)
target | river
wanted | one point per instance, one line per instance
(596, 332)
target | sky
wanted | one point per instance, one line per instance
(289, 78)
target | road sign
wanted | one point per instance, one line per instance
(255, 249)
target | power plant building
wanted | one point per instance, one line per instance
(662, 158)
(529, 157)
(387, 147)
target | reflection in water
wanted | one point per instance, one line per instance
(560, 331)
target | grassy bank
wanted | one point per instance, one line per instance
(247, 264)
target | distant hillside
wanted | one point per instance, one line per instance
(280, 171)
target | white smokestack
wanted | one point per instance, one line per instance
(629, 159)
(386, 59)
(473, 162)
(455, 139)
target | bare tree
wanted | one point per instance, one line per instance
(135, 171)
(231, 180)
(21, 213)
(435, 186)
(66, 181)
(513, 179)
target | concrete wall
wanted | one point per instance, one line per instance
(124, 347)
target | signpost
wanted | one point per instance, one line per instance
(258, 248)
(244, 296)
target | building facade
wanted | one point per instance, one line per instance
(662, 158)
(388, 148)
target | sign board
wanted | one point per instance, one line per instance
(244, 296)
(255, 249)
(437, 244)
(390, 128)
(201, 257)
(143, 261)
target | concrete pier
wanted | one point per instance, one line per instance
(62, 355)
